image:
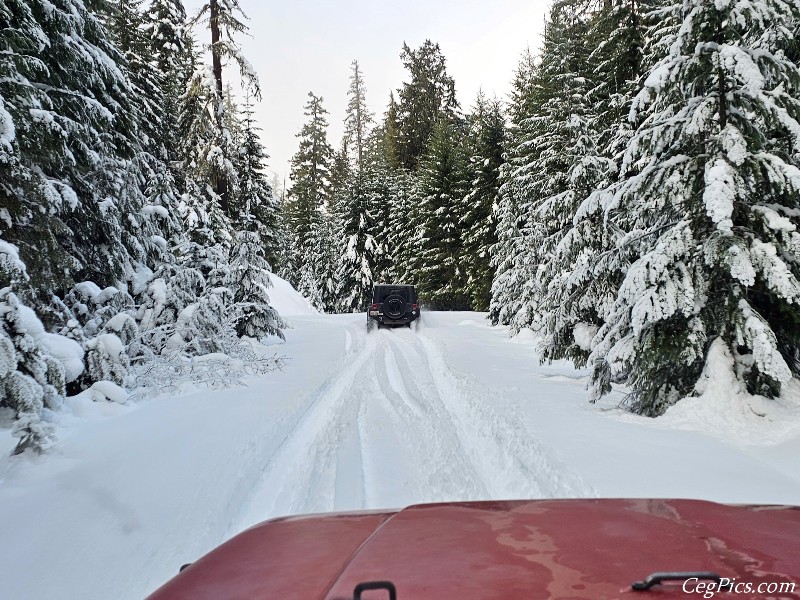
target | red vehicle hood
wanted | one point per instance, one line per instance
(515, 550)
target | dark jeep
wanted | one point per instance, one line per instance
(393, 304)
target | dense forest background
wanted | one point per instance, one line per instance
(635, 200)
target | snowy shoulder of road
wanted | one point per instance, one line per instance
(451, 409)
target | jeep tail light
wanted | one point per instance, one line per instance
(414, 307)
(373, 307)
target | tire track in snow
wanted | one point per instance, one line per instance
(394, 425)
(423, 460)
(305, 460)
(512, 462)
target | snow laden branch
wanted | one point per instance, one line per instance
(173, 370)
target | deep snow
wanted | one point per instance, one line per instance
(451, 410)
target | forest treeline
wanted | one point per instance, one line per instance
(634, 200)
(136, 218)
(406, 199)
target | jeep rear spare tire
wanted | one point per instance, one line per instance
(394, 306)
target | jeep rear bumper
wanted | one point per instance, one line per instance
(384, 320)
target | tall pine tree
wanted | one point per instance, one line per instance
(710, 210)
(358, 117)
(255, 204)
(486, 146)
(438, 264)
(225, 18)
(428, 98)
(360, 255)
(307, 203)
(509, 255)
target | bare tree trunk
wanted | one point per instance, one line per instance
(220, 183)
(359, 123)
(723, 99)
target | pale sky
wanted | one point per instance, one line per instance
(299, 46)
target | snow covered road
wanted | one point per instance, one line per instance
(452, 410)
(393, 425)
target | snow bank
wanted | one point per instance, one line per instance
(725, 410)
(82, 410)
(288, 301)
(108, 391)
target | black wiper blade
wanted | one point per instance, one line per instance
(659, 578)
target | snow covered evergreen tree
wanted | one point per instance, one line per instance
(545, 201)
(486, 146)
(172, 289)
(443, 182)
(358, 117)
(399, 238)
(304, 209)
(360, 256)
(509, 254)
(585, 271)
(31, 379)
(281, 230)
(709, 209)
(341, 172)
(165, 29)
(428, 98)
(75, 139)
(106, 359)
(391, 133)
(90, 167)
(577, 278)
(225, 18)
(249, 282)
(255, 206)
(323, 258)
(618, 35)
(205, 326)
(125, 22)
(201, 207)
(145, 232)
(92, 307)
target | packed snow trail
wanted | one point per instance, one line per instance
(454, 410)
(394, 425)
